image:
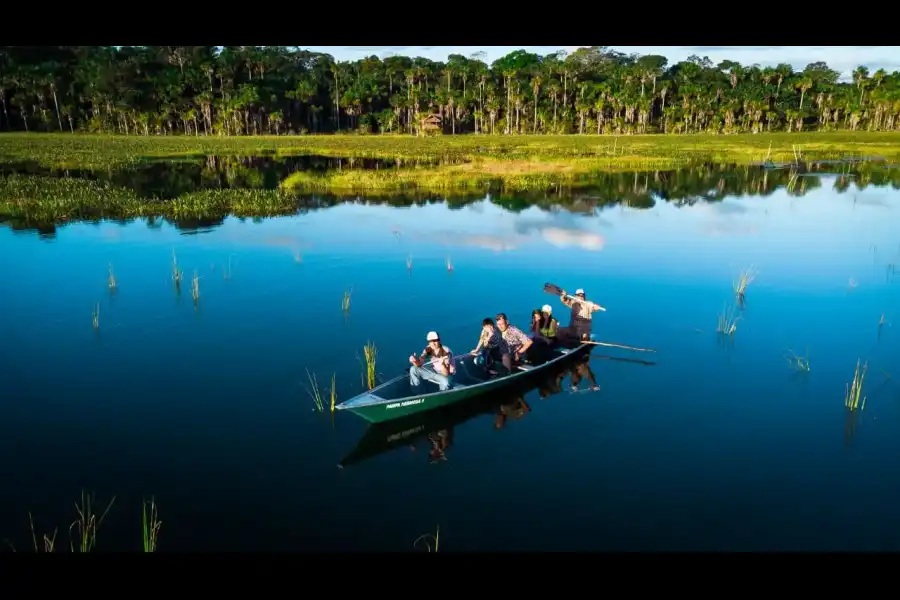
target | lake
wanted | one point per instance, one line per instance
(713, 442)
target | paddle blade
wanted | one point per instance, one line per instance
(552, 289)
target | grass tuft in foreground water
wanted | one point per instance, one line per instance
(853, 398)
(426, 540)
(315, 391)
(95, 316)
(727, 322)
(87, 524)
(47, 543)
(345, 302)
(195, 287)
(150, 525)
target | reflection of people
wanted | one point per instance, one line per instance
(440, 366)
(582, 314)
(582, 369)
(553, 385)
(516, 409)
(440, 441)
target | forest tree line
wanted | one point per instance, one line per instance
(266, 90)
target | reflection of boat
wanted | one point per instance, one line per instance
(397, 398)
(437, 425)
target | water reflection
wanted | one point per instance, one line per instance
(704, 184)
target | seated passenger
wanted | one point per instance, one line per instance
(516, 342)
(489, 345)
(549, 326)
(439, 367)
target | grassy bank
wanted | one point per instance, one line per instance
(465, 165)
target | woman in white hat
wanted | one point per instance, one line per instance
(439, 367)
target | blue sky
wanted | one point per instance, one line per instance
(841, 58)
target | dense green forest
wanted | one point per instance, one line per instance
(253, 90)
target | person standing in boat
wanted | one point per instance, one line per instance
(516, 342)
(435, 364)
(582, 314)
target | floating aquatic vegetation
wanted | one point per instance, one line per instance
(345, 302)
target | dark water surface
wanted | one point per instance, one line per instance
(719, 445)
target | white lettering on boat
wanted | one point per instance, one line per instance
(406, 403)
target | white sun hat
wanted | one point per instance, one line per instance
(579, 291)
(432, 336)
(547, 308)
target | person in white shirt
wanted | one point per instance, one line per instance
(435, 364)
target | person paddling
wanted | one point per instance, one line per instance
(582, 313)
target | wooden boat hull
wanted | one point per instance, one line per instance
(381, 438)
(395, 399)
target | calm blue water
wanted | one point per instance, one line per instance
(718, 446)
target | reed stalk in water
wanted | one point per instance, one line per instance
(111, 281)
(314, 392)
(797, 362)
(369, 351)
(853, 398)
(333, 392)
(345, 303)
(195, 287)
(150, 525)
(743, 282)
(87, 524)
(48, 543)
(95, 316)
(427, 539)
(727, 323)
(176, 272)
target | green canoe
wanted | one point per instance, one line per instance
(381, 438)
(397, 398)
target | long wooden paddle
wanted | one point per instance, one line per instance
(557, 291)
(611, 345)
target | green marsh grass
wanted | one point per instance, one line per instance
(345, 302)
(370, 352)
(150, 525)
(465, 164)
(727, 321)
(853, 398)
(426, 540)
(87, 524)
